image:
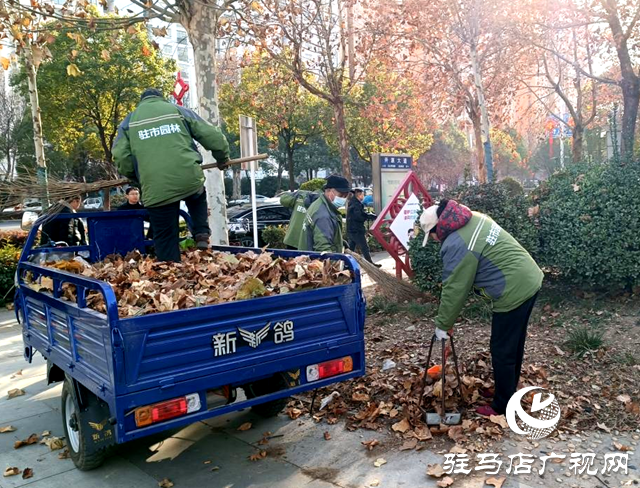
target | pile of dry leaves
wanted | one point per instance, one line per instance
(144, 285)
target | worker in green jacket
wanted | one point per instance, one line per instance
(478, 254)
(322, 228)
(156, 146)
(298, 201)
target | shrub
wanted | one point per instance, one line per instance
(9, 256)
(508, 210)
(314, 184)
(582, 340)
(273, 236)
(589, 220)
(513, 186)
(13, 237)
(268, 186)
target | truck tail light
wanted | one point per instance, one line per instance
(328, 369)
(159, 412)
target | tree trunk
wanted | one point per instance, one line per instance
(280, 169)
(200, 21)
(474, 115)
(236, 192)
(484, 115)
(631, 100)
(290, 168)
(38, 138)
(343, 140)
(578, 143)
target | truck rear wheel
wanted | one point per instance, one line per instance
(76, 428)
(264, 387)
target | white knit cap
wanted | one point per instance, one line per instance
(428, 220)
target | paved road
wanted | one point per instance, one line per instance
(9, 224)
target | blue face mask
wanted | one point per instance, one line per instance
(339, 201)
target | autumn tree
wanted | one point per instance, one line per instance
(309, 39)
(388, 114)
(465, 54)
(12, 109)
(445, 161)
(286, 114)
(83, 105)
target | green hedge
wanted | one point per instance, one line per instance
(507, 207)
(314, 184)
(590, 224)
(9, 256)
(273, 236)
(13, 238)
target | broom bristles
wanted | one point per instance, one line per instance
(389, 285)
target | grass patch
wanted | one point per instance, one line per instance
(627, 359)
(418, 310)
(477, 309)
(583, 340)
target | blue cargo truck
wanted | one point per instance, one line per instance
(128, 377)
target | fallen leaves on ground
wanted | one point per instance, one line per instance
(64, 454)
(16, 392)
(258, 456)
(446, 481)
(143, 285)
(27, 473)
(165, 483)
(401, 426)
(245, 426)
(497, 482)
(13, 471)
(500, 420)
(32, 439)
(16, 374)
(370, 444)
(46, 433)
(293, 413)
(623, 398)
(53, 443)
(7, 428)
(622, 447)
(327, 436)
(435, 470)
(409, 445)
(380, 462)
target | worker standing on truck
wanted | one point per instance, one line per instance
(322, 228)
(356, 217)
(479, 254)
(298, 201)
(156, 146)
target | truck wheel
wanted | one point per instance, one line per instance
(75, 428)
(264, 387)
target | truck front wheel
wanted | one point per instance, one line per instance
(264, 387)
(77, 431)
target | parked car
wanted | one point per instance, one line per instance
(247, 199)
(240, 221)
(92, 203)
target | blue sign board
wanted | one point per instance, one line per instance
(395, 162)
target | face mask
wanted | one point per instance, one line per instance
(339, 201)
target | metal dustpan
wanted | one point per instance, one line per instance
(447, 418)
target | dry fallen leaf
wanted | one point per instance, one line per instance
(379, 462)
(293, 413)
(165, 483)
(401, 426)
(207, 462)
(64, 454)
(327, 436)
(46, 433)
(446, 481)
(604, 427)
(245, 426)
(375, 483)
(32, 439)
(623, 398)
(458, 450)
(622, 447)
(27, 473)
(497, 482)
(370, 444)
(436, 471)
(17, 373)
(11, 472)
(500, 420)
(456, 433)
(360, 397)
(409, 444)
(7, 428)
(16, 392)
(258, 456)
(53, 443)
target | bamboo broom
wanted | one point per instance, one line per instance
(389, 285)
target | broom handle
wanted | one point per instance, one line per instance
(232, 162)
